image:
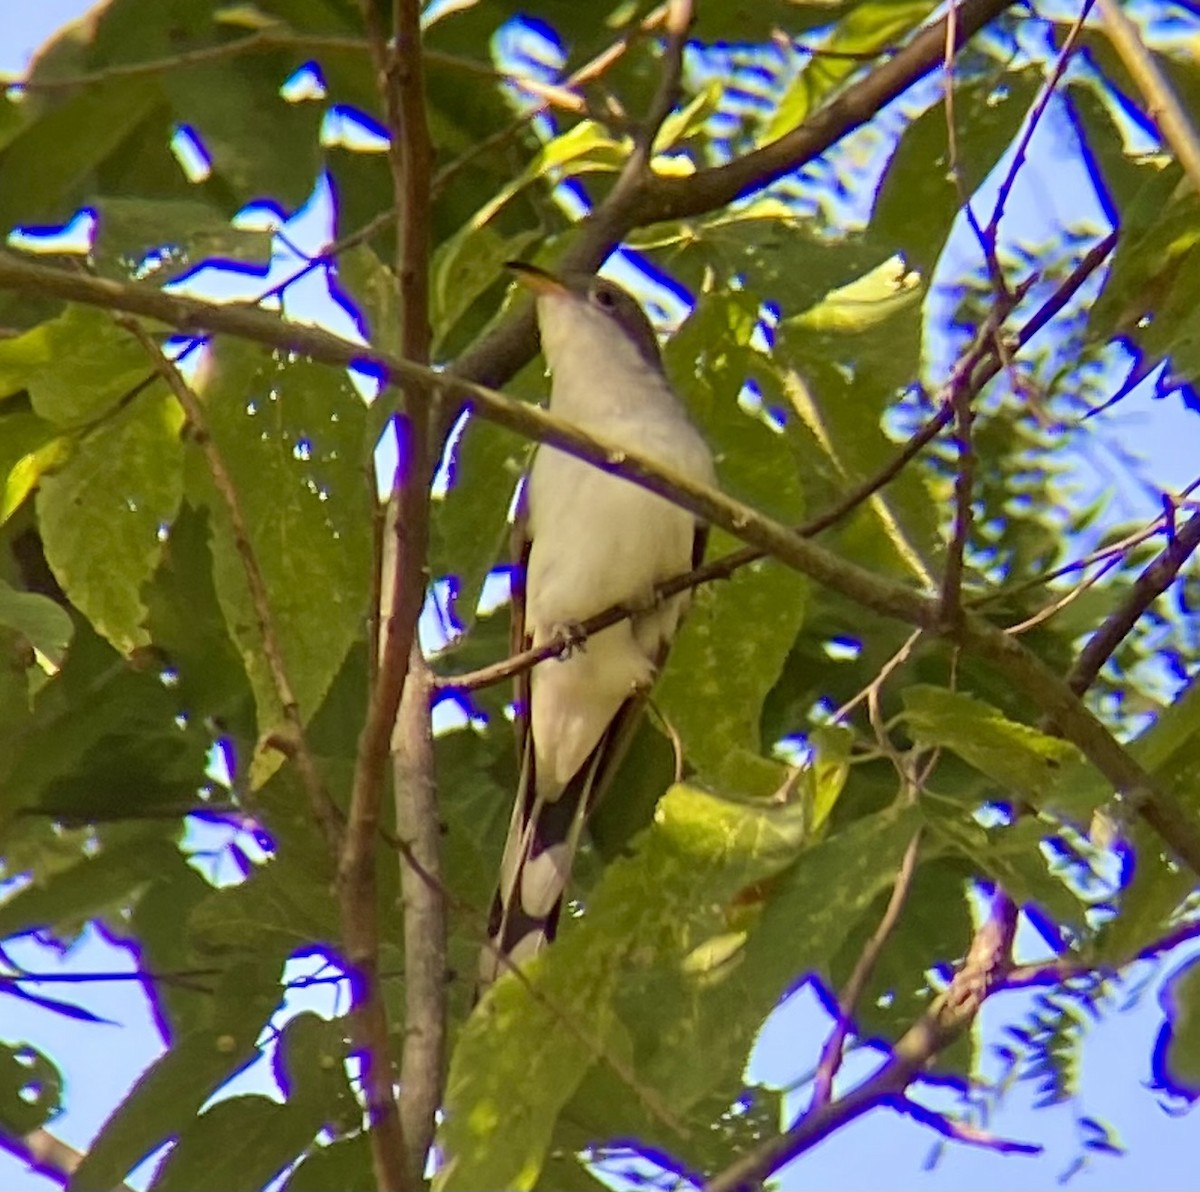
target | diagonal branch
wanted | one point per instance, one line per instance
(296, 744)
(46, 1154)
(831, 1053)
(951, 1014)
(497, 355)
(1152, 583)
(1029, 675)
(978, 366)
(1162, 104)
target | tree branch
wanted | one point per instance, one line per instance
(1162, 105)
(47, 1154)
(947, 1018)
(497, 355)
(889, 598)
(295, 744)
(831, 1053)
(1152, 583)
(418, 825)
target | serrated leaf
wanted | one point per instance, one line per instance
(103, 512)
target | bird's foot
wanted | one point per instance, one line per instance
(573, 637)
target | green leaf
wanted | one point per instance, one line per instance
(102, 741)
(76, 366)
(165, 1098)
(696, 840)
(292, 438)
(66, 899)
(470, 530)
(672, 970)
(1018, 757)
(45, 624)
(1013, 856)
(103, 513)
(727, 659)
(48, 162)
(868, 28)
(344, 1164)
(467, 265)
(1180, 1057)
(261, 145)
(918, 200)
(166, 237)
(240, 1144)
(30, 1089)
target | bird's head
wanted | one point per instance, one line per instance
(589, 319)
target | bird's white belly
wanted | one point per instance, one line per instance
(597, 541)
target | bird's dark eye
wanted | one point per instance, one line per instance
(605, 299)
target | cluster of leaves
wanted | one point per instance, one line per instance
(132, 647)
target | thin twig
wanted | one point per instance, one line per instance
(323, 808)
(1162, 105)
(1068, 967)
(962, 1132)
(1154, 580)
(651, 1101)
(986, 243)
(1034, 119)
(951, 1014)
(964, 496)
(831, 1053)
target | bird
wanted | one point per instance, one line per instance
(586, 540)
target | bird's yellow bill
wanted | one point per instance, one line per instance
(538, 280)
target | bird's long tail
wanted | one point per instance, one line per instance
(543, 838)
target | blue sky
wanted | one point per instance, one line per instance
(883, 1151)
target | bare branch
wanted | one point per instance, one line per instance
(831, 1053)
(423, 1058)
(962, 1132)
(503, 350)
(47, 1154)
(1154, 580)
(1034, 119)
(946, 1020)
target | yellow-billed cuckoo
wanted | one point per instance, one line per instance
(587, 540)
